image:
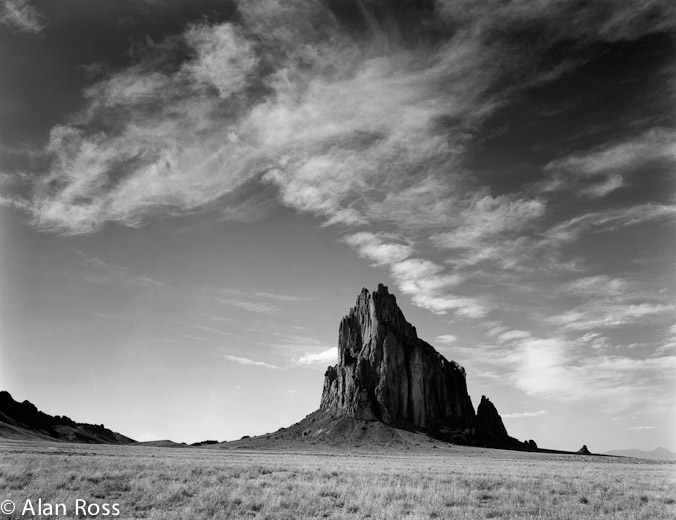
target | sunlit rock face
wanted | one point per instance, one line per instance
(386, 373)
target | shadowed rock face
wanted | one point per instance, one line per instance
(489, 423)
(386, 373)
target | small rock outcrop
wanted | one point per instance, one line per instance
(489, 424)
(583, 450)
(386, 373)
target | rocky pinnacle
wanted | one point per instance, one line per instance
(386, 373)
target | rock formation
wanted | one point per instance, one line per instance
(386, 373)
(489, 424)
(583, 450)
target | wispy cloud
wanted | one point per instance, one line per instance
(251, 362)
(259, 302)
(651, 145)
(212, 330)
(512, 335)
(522, 415)
(99, 271)
(599, 315)
(192, 337)
(599, 285)
(283, 297)
(485, 224)
(607, 220)
(259, 307)
(379, 248)
(445, 338)
(22, 15)
(611, 162)
(604, 302)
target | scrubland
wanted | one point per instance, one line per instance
(444, 482)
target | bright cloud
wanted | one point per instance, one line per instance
(324, 358)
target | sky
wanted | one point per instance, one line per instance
(193, 194)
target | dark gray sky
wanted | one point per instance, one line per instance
(193, 194)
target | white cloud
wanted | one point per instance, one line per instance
(427, 283)
(565, 370)
(616, 157)
(379, 248)
(246, 361)
(326, 357)
(22, 15)
(428, 286)
(225, 58)
(446, 338)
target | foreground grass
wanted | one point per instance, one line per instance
(444, 483)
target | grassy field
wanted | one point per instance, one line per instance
(445, 482)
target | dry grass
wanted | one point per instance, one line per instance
(445, 482)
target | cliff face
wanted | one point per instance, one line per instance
(386, 373)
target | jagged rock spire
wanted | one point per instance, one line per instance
(385, 372)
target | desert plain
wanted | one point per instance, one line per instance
(414, 480)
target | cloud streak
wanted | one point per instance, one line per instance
(250, 362)
(22, 15)
(522, 415)
(600, 171)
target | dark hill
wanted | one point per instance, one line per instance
(25, 421)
